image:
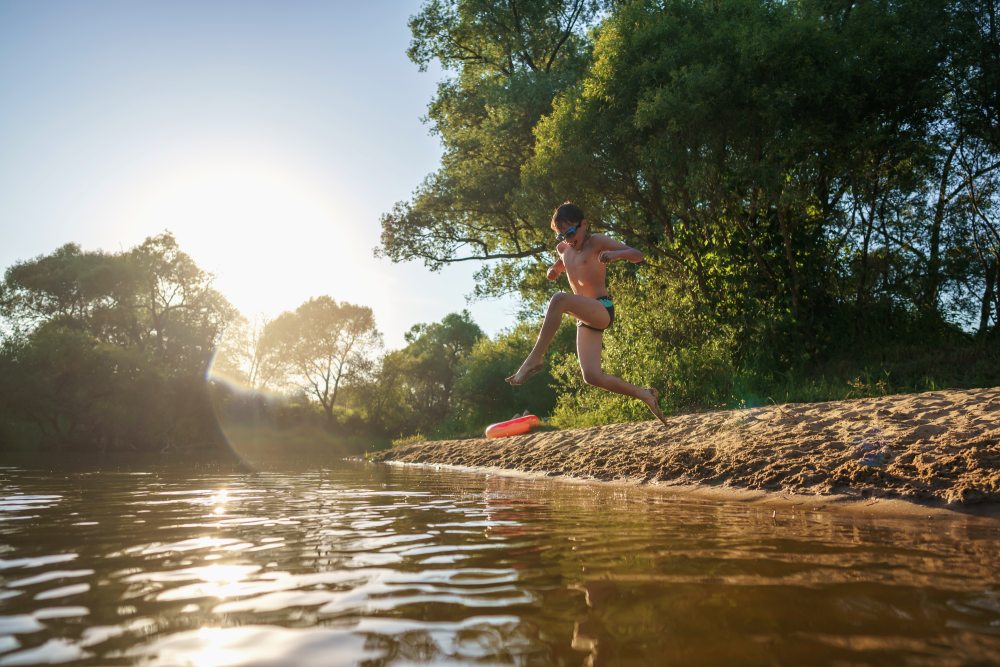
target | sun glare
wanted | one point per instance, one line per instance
(272, 235)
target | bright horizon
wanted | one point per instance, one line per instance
(267, 138)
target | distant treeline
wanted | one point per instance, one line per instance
(134, 352)
(815, 184)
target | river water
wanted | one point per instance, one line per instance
(389, 565)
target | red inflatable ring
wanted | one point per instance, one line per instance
(516, 426)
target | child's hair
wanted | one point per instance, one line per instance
(567, 213)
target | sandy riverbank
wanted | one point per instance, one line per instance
(934, 447)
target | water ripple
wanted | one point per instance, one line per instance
(397, 566)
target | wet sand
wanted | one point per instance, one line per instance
(936, 448)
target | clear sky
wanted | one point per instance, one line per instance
(267, 136)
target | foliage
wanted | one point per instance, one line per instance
(741, 143)
(815, 186)
(318, 346)
(810, 182)
(266, 428)
(409, 440)
(482, 397)
(109, 351)
(413, 389)
(506, 63)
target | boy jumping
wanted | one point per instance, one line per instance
(584, 257)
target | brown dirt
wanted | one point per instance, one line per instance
(934, 447)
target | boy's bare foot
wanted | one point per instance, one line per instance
(524, 372)
(654, 405)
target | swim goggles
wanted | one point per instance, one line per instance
(568, 234)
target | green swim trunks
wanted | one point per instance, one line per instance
(610, 306)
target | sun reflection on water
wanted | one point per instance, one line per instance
(219, 500)
(408, 567)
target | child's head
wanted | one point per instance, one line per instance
(567, 214)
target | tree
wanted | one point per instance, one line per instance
(506, 62)
(413, 389)
(152, 298)
(244, 358)
(174, 311)
(109, 351)
(320, 344)
(814, 179)
(436, 350)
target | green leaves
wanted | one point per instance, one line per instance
(486, 38)
(152, 298)
(109, 351)
(815, 176)
(506, 62)
(320, 345)
(414, 389)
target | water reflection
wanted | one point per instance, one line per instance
(376, 565)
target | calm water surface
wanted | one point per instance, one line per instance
(379, 565)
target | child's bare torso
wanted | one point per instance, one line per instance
(584, 269)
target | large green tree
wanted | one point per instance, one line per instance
(412, 390)
(320, 345)
(152, 298)
(816, 177)
(109, 350)
(505, 63)
(765, 149)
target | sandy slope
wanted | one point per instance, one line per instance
(936, 446)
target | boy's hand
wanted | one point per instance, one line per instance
(555, 269)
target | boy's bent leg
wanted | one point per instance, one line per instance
(584, 308)
(588, 348)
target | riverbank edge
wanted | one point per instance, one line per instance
(772, 500)
(904, 454)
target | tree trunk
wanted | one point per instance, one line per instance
(987, 304)
(996, 295)
(929, 298)
(863, 268)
